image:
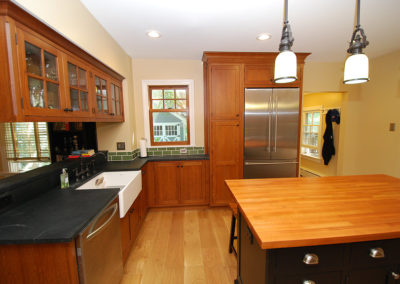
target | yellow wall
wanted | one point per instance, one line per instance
(73, 20)
(162, 69)
(327, 101)
(366, 145)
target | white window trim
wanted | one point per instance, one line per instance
(146, 109)
(319, 147)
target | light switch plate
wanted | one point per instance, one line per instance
(120, 145)
(183, 151)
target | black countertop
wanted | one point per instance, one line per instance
(58, 215)
(138, 163)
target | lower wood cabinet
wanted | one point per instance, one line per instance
(179, 183)
(376, 262)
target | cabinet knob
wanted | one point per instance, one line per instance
(308, 282)
(311, 259)
(237, 115)
(396, 276)
(66, 109)
(377, 253)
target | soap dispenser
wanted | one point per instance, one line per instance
(64, 178)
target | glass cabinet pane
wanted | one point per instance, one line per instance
(36, 92)
(53, 97)
(97, 84)
(103, 87)
(33, 59)
(82, 79)
(98, 99)
(50, 64)
(74, 95)
(105, 105)
(72, 75)
(118, 108)
(113, 87)
(84, 101)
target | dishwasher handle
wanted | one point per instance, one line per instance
(92, 232)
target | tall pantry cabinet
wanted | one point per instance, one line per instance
(226, 75)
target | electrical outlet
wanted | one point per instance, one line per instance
(183, 151)
(120, 145)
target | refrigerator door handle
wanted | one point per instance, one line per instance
(276, 120)
(267, 163)
(270, 108)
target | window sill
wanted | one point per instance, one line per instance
(311, 158)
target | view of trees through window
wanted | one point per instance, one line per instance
(311, 134)
(169, 115)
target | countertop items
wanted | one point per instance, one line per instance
(55, 216)
(295, 212)
(138, 163)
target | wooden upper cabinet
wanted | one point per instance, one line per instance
(258, 74)
(225, 81)
(42, 77)
(116, 100)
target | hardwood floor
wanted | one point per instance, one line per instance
(182, 246)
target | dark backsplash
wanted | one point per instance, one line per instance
(20, 188)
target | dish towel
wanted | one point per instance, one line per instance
(328, 149)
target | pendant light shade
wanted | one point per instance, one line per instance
(285, 67)
(356, 68)
(286, 61)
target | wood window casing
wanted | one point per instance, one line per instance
(175, 109)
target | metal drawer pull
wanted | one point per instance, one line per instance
(311, 259)
(308, 282)
(377, 253)
(396, 276)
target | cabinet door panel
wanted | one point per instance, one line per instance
(225, 91)
(166, 183)
(325, 278)
(134, 218)
(226, 158)
(192, 177)
(125, 236)
(258, 75)
(370, 276)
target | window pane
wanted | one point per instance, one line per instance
(181, 104)
(72, 75)
(169, 94)
(33, 59)
(170, 126)
(316, 119)
(84, 101)
(50, 66)
(308, 118)
(306, 129)
(181, 94)
(313, 139)
(97, 84)
(156, 94)
(169, 104)
(157, 104)
(36, 92)
(74, 95)
(53, 98)
(82, 79)
(315, 129)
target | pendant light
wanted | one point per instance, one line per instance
(286, 61)
(356, 66)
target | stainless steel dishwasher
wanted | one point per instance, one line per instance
(99, 249)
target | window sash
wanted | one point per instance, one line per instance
(310, 132)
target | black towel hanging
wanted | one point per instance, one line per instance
(328, 149)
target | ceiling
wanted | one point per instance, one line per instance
(189, 27)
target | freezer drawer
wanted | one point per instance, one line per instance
(271, 169)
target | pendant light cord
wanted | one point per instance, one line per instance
(287, 38)
(286, 12)
(358, 14)
(358, 39)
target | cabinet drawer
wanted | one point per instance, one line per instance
(321, 278)
(370, 253)
(319, 258)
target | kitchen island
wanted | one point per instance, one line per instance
(318, 230)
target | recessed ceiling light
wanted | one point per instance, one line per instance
(263, 36)
(154, 34)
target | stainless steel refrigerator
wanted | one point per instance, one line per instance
(271, 132)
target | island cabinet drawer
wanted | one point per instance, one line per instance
(375, 253)
(309, 259)
(318, 278)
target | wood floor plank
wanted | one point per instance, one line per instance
(187, 246)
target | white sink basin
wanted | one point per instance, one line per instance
(129, 183)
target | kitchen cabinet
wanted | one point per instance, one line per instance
(48, 78)
(179, 183)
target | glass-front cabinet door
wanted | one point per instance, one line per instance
(117, 108)
(102, 95)
(77, 89)
(41, 76)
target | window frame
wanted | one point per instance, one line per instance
(146, 107)
(306, 110)
(164, 126)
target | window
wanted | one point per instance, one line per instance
(169, 115)
(311, 133)
(26, 145)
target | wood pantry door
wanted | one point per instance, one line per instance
(225, 157)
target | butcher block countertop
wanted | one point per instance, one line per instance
(295, 212)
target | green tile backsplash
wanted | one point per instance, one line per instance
(160, 151)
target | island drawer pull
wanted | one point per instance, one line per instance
(377, 253)
(308, 282)
(396, 276)
(311, 259)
